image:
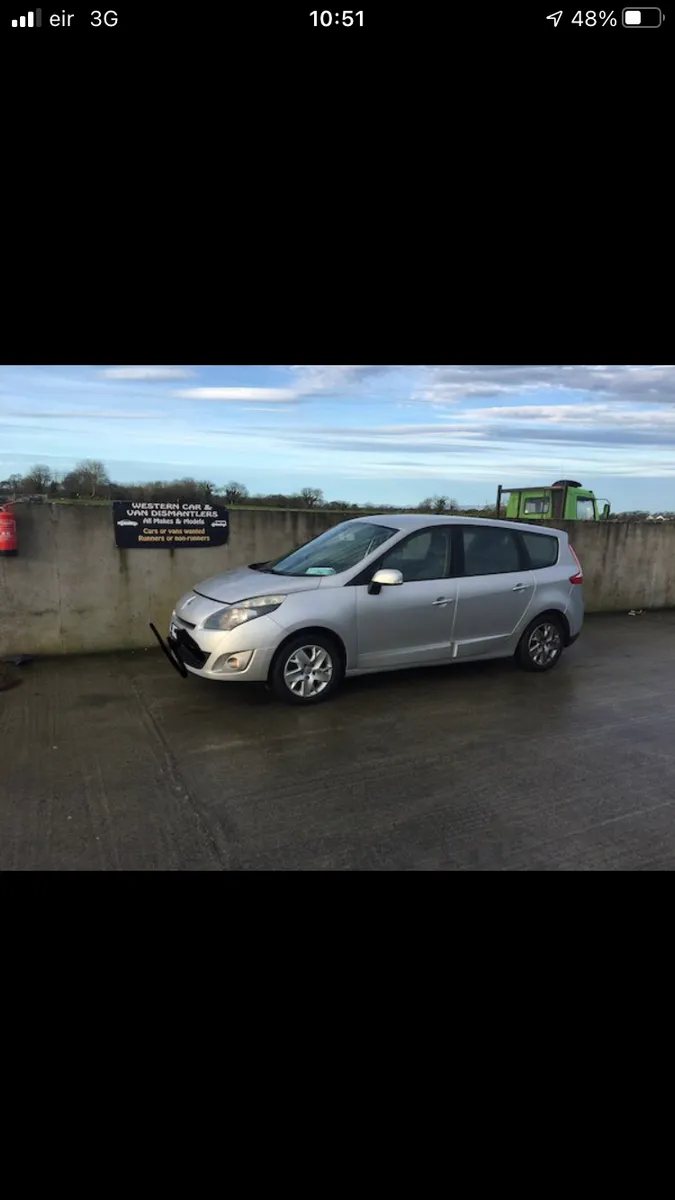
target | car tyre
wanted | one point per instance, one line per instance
(307, 669)
(541, 646)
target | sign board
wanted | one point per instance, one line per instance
(144, 526)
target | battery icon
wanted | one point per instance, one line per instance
(641, 18)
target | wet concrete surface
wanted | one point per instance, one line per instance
(114, 762)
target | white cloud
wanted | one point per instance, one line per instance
(332, 380)
(254, 394)
(146, 373)
(599, 415)
(277, 408)
(450, 384)
(96, 414)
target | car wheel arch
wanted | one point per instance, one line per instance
(559, 615)
(310, 631)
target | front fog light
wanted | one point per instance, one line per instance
(233, 662)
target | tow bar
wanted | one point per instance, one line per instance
(170, 649)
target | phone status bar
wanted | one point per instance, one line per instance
(435, 27)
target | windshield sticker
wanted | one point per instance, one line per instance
(320, 571)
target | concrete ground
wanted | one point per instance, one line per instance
(114, 762)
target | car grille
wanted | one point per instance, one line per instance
(184, 623)
(189, 650)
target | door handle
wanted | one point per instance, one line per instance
(441, 602)
(521, 587)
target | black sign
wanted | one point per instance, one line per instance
(141, 526)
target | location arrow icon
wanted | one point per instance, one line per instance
(555, 17)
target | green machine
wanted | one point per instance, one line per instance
(564, 500)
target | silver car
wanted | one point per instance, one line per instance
(383, 593)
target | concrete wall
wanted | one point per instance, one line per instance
(627, 564)
(70, 590)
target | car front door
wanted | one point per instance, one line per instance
(409, 624)
(495, 590)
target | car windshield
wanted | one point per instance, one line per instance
(334, 551)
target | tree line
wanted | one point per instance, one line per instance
(89, 480)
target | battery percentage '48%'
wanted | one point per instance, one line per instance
(593, 18)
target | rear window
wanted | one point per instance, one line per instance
(542, 549)
(535, 505)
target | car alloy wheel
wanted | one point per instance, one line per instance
(308, 671)
(544, 644)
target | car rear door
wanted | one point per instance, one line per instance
(555, 566)
(409, 624)
(495, 590)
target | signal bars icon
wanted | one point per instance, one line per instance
(32, 21)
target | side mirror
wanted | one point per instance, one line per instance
(384, 578)
(605, 511)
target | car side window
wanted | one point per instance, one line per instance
(542, 550)
(424, 555)
(490, 551)
(585, 509)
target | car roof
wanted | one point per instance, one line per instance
(412, 521)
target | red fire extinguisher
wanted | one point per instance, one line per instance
(8, 540)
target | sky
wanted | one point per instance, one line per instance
(388, 434)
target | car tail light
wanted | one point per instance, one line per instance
(578, 576)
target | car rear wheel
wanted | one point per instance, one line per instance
(307, 670)
(541, 645)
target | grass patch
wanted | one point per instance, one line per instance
(61, 500)
(338, 512)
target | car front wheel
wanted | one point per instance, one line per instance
(541, 645)
(307, 670)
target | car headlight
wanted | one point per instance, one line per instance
(246, 610)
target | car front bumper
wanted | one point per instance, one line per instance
(243, 654)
